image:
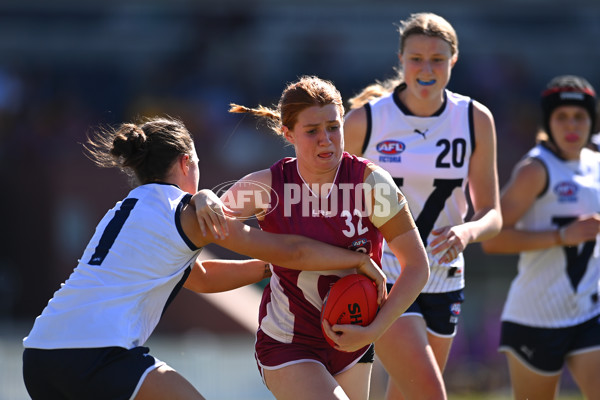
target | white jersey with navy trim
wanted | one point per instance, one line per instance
(135, 263)
(558, 287)
(429, 160)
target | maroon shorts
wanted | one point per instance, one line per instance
(273, 354)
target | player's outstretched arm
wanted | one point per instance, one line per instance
(528, 180)
(289, 251)
(213, 276)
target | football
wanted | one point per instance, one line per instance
(351, 300)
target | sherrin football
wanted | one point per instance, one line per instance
(351, 300)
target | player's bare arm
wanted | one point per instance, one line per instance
(483, 180)
(289, 251)
(213, 276)
(527, 182)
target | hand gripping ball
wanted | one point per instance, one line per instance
(351, 300)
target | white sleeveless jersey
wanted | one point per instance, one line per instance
(558, 287)
(429, 160)
(131, 269)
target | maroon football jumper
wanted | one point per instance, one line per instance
(289, 317)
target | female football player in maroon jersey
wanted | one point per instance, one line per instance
(332, 196)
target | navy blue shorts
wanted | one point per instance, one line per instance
(439, 310)
(544, 350)
(96, 373)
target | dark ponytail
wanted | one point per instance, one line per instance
(143, 151)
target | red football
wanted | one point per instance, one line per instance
(351, 300)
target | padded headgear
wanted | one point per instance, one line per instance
(568, 90)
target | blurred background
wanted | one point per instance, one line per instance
(67, 67)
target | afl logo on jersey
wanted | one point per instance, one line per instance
(390, 147)
(390, 150)
(566, 191)
(362, 245)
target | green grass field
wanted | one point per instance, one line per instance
(565, 396)
(496, 396)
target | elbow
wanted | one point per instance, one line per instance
(422, 274)
(496, 223)
(499, 222)
(494, 226)
(418, 278)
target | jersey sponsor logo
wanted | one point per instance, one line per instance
(324, 213)
(423, 133)
(390, 150)
(566, 191)
(454, 272)
(527, 351)
(390, 147)
(362, 244)
(359, 242)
